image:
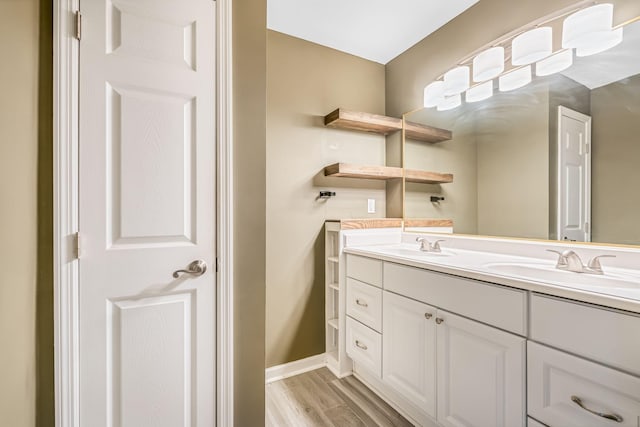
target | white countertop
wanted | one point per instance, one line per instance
(480, 265)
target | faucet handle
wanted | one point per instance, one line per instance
(424, 243)
(435, 246)
(594, 263)
(562, 258)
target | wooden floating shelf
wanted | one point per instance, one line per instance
(384, 125)
(424, 177)
(360, 224)
(366, 122)
(345, 170)
(425, 133)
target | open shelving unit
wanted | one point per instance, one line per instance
(335, 302)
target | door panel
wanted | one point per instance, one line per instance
(481, 374)
(147, 198)
(574, 176)
(409, 350)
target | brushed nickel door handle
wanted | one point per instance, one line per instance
(439, 320)
(196, 268)
(614, 417)
(428, 315)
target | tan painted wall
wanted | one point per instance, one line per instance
(305, 81)
(18, 210)
(513, 168)
(249, 114)
(615, 109)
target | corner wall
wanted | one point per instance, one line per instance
(18, 211)
(306, 81)
(249, 144)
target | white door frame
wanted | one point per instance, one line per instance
(564, 111)
(65, 214)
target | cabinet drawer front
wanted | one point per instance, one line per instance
(555, 377)
(364, 303)
(364, 346)
(493, 304)
(366, 270)
(606, 336)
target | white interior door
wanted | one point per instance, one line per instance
(574, 175)
(147, 197)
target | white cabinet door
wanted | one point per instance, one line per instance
(481, 374)
(409, 350)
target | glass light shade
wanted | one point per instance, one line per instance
(587, 26)
(515, 79)
(480, 93)
(433, 94)
(450, 102)
(555, 63)
(532, 46)
(488, 64)
(456, 81)
(604, 42)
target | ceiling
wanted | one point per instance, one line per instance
(377, 30)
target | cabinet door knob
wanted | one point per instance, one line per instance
(362, 346)
(439, 320)
(428, 315)
(362, 303)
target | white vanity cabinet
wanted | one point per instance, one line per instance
(439, 365)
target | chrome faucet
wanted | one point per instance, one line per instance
(570, 261)
(426, 246)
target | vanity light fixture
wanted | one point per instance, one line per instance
(555, 63)
(433, 94)
(480, 92)
(456, 81)
(450, 102)
(532, 46)
(488, 64)
(515, 79)
(590, 31)
(605, 42)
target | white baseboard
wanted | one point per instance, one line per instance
(296, 367)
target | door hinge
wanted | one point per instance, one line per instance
(78, 25)
(587, 227)
(76, 245)
(216, 264)
(587, 148)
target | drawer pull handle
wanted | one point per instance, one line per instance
(362, 346)
(439, 320)
(362, 303)
(614, 417)
(428, 315)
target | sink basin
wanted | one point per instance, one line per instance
(411, 252)
(546, 272)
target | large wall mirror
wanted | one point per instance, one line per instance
(518, 157)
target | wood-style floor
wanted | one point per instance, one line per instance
(318, 398)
